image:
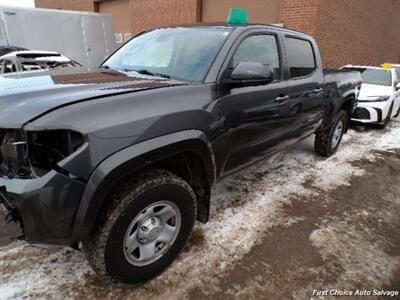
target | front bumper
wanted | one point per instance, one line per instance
(45, 206)
(371, 112)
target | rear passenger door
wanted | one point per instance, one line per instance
(306, 86)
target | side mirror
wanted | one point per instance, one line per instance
(397, 86)
(252, 73)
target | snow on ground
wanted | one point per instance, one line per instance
(244, 208)
(339, 235)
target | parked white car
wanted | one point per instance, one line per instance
(379, 97)
(395, 66)
(20, 61)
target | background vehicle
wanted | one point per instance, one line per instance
(7, 49)
(395, 66)
(123, 157)
(21, 61)
(379, 98)
(87, 39)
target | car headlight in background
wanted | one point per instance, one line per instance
(375, 99)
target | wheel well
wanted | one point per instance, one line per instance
(187, 165)
(347, 106)
(190, 167)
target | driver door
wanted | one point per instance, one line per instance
(254, 115)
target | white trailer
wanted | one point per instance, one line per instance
(84, 37)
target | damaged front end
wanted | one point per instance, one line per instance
(13, 154)
(13, 164)
(32, 154)
(47, 148)
(35, 190)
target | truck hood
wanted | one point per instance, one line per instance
(29, 95)
(370, 90)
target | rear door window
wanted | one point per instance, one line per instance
(301, 58)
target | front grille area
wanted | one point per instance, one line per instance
(361, 114)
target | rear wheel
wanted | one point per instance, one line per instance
(145, 228)
(327, 141)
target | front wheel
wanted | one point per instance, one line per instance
(327, 141)
(398, 112)
(145, 228)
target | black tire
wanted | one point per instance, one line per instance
(387, 119)
(398, 113)
(105, 251)
(324, 144)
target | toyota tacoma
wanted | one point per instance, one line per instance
(121, 159)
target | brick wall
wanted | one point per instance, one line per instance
(148, 14)
(300, 15)
(79, 5)
(359, 31)
(348, 31)
(363, 32)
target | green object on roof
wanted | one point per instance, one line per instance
(237, 16)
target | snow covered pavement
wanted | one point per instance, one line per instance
(284, 219)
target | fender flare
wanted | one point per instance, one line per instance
(347, 97)
(129, 160)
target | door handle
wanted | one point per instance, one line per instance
(315, 92)
(281, 99)
(318, 91)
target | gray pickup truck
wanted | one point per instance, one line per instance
(122, 157)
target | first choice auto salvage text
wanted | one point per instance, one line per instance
(341, 293)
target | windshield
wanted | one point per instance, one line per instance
(181, 53)
(374, 76)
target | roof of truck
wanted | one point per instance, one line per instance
(235, 26)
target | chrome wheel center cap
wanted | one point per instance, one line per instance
(150, 229)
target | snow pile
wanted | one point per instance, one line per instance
(32, 271)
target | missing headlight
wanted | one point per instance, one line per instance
(47, 148)
(13, 154)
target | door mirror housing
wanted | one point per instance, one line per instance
(397, 87)
(252, 73)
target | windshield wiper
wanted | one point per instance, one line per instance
(105, 67)
(147, 72)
